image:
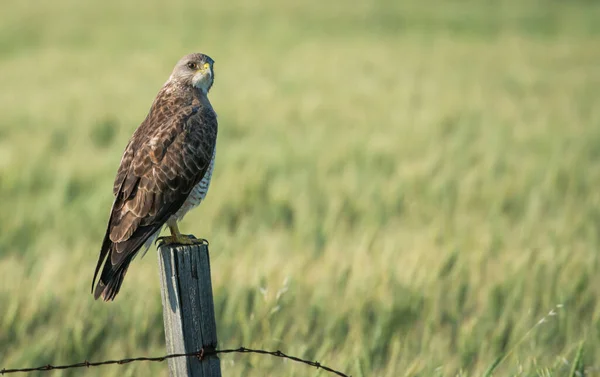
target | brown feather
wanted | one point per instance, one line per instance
(122, 230)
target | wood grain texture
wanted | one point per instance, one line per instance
(188, 309)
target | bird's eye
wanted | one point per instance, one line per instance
(192, 65)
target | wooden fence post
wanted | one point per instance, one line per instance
(188, 309)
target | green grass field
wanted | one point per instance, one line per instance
(401, 189)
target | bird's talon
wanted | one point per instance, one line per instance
(166, 240)
(190, 239)
(181, 239)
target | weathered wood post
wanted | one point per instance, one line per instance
(188, 309)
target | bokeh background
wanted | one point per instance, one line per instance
(402, 188)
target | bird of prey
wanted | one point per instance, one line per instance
(165, 171)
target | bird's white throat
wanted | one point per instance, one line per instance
(202, 80)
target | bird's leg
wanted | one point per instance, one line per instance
(177, 238)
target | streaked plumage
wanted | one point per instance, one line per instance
(165, 170)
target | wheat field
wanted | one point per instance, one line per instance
(401, 188)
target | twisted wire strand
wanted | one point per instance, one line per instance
(203, 353)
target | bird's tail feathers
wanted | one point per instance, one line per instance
(116, 258)
(110, 281)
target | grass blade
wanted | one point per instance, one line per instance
(577, 368)
(489, 371)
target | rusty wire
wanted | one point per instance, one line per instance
(199, 354)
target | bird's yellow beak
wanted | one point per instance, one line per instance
(205, 67)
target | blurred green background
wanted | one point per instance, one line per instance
(401, 188)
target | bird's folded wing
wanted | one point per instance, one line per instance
(166, 157)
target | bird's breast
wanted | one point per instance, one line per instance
(199, 191)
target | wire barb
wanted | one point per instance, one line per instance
(201, 355)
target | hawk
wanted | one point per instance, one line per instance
(164, 172)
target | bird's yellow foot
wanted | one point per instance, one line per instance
(180, 239)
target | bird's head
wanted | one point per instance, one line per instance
(195, 70)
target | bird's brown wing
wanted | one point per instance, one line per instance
(167, 156)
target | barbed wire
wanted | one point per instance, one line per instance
(204, 352)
